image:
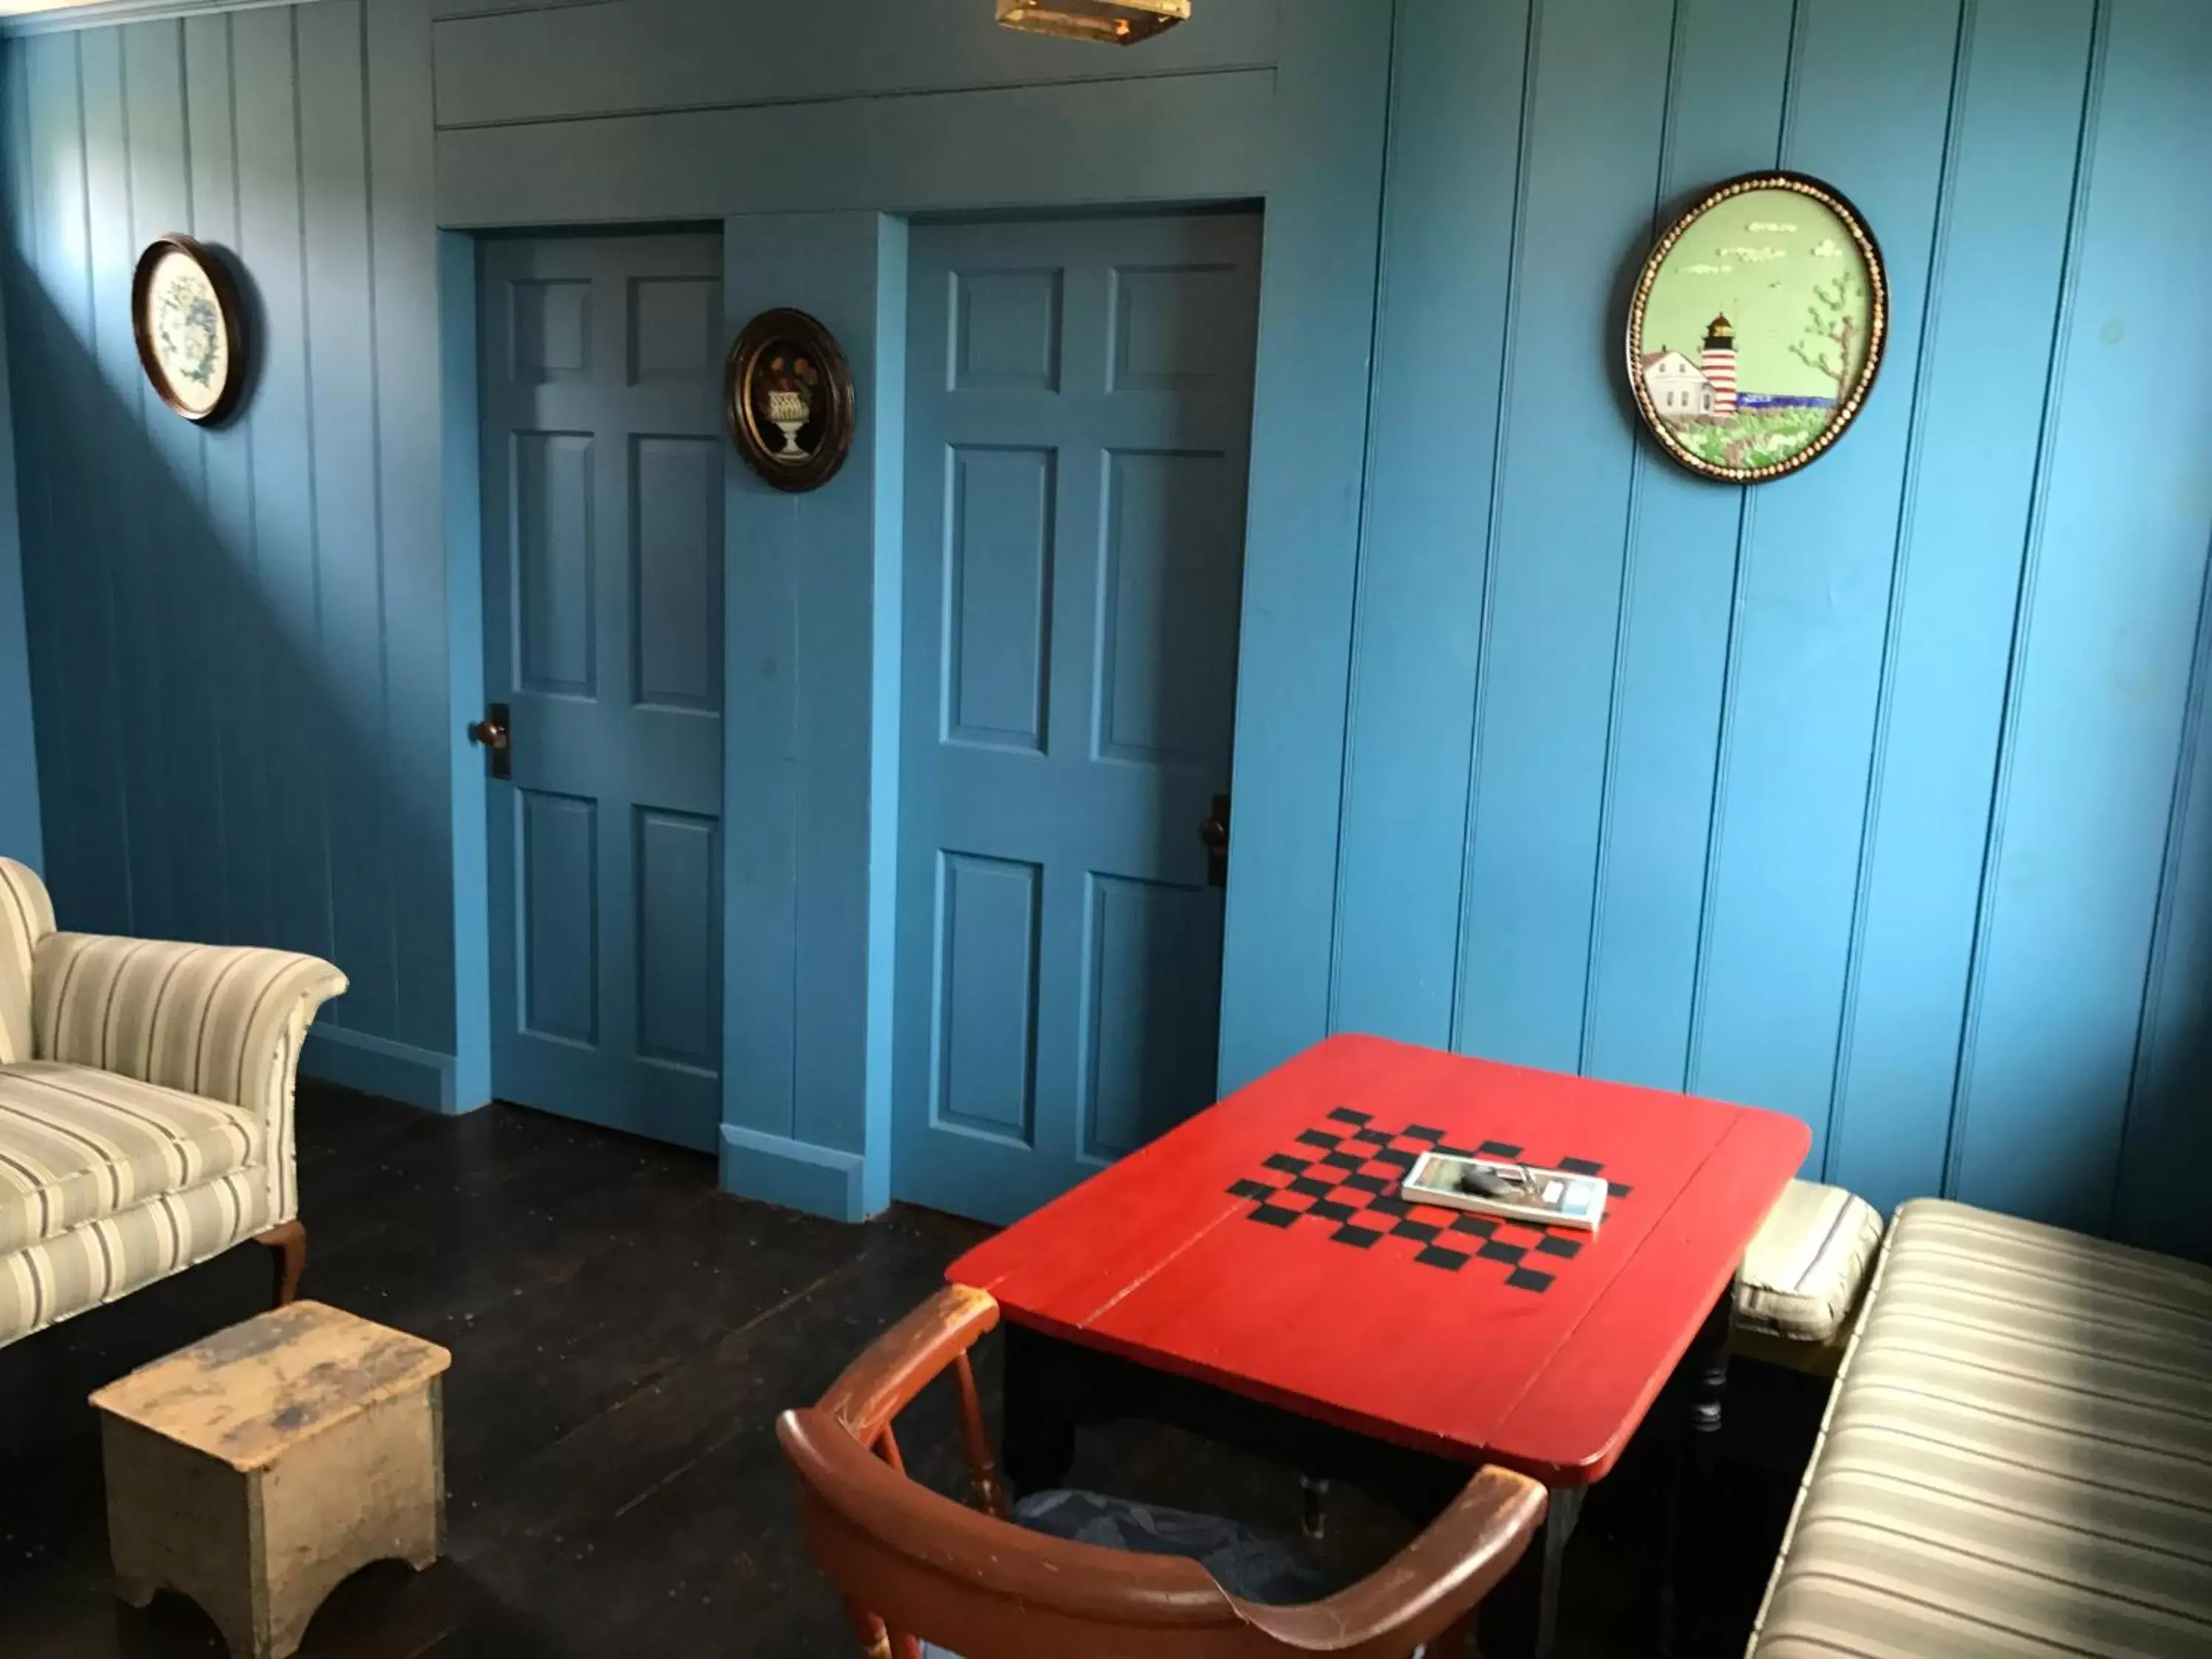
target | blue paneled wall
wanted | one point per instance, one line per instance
(237, 647)
(1872, 794)
(19, 834)
(1869, 793)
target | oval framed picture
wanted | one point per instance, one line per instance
(190, 327)
(789, 399)
(1758, 327)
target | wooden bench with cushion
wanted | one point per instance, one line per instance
(2017, 1459)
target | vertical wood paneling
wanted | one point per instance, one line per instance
(1799, 726)
(834, 708)
(2016, 132)
(169, 580)
(404, 274)
(280, 442)
(26, 831)
(1451, 235)
(69, 621)
(800, 645)
(120, 520)
(215, 610)
(1815, 697)
(1729, 61)
(1771, 790)
(235, 710)
(349, 527)
(1329, 120)
(2168, 1134)
(2086, 789)
(1598, 92)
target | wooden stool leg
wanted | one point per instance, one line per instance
(289, 1239)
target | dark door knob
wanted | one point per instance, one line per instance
(492, 733)
(1214, 831)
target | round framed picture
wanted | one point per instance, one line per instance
(189, 328)
(1758, 327)
(790, 400)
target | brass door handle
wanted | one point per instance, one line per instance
(495, 736)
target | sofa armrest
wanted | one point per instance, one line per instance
(222, 1021)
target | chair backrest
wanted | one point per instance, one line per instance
(913, 1565)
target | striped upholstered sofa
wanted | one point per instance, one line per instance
(2017, 1459)
(145, 1107)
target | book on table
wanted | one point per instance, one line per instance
(1514, 1192)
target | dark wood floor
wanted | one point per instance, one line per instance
(622, 1336)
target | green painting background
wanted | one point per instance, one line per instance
(1766, 298)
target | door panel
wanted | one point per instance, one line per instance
(559, 916)
(1079, 403)
(603, 472)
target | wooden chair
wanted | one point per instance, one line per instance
(915, 1565)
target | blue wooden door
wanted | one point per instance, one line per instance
(1079, 410)
(602, 466)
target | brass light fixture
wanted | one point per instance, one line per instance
(1115, 22)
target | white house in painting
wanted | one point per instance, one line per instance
(1677, 386)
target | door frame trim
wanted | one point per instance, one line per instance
(462, 395)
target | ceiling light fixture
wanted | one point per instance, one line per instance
(1115, 22)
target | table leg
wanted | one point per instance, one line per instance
(1520, 1618)
(1693, 1510)
(1039, 1442)
(1313, 1506)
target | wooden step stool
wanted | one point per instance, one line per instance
(255, 1471)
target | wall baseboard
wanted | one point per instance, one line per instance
(795, 1174)
(378, 1065)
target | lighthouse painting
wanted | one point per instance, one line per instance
(1717, 364)
(1758, 327)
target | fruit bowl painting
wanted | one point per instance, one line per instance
(789, 400)
(185, 318)
(1758, 327)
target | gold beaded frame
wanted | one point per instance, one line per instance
(1847, 409)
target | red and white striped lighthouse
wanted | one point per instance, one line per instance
(1719, 364)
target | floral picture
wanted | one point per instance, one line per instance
(186, 321)
(785, 390)
(1758, 327)
(790, 400)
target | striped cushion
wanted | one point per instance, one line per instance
(1804, 1270)
(2018, 1459)
(27, 916)
(106, 1258)
(77, 1145)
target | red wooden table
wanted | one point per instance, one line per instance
(1259, 1248)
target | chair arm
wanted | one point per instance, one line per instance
(221, 1022)
(1429, 1587)
(896, 1367)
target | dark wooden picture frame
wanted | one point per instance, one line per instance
(1803, 264)
(230, 311)
(787, 354)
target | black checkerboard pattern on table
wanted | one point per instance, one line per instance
(1344, 1174)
